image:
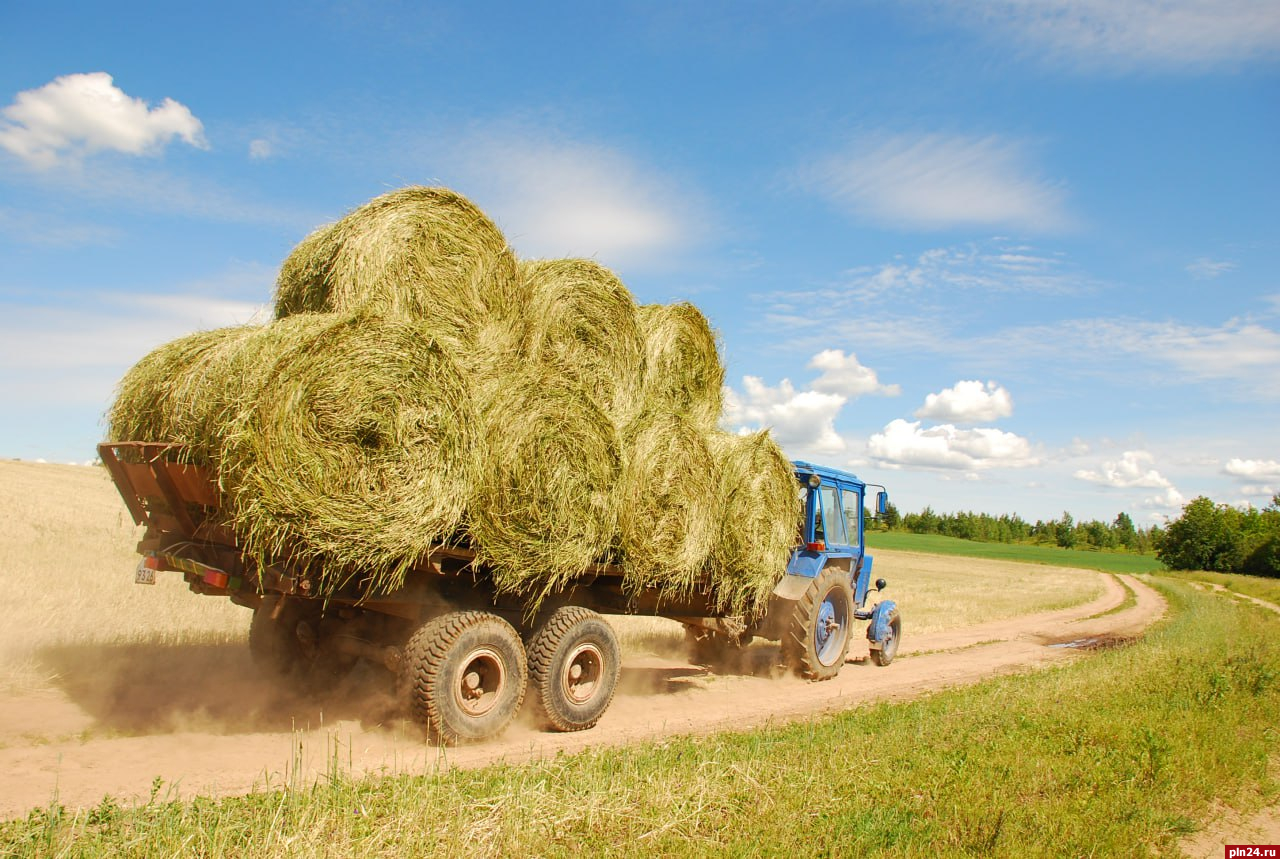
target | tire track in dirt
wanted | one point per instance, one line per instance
(49, 746)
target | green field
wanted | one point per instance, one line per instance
(1107, 562)
(1118, 754)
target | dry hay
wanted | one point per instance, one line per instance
(668, 504)
(188, 391)
(425, 253)
(682, 371)
(759, 517)
(584, 326)
(357, 452)
(545, 506)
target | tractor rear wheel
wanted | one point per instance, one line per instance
(817, 638)
(464, 674)
(574, 662)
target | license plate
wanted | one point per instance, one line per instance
(144, 575)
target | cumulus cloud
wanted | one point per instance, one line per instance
(1132, 469)
(1253, 469)
(800, 420)
(938, 181)
(79, 114)
(910, 444)
(844, 374)
(968, 402)
(1168, 499)
(1135, 33)
(564, 197)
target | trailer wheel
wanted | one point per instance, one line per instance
(274, 645)
(464, 674)
(574, 661)
(817, 638)
(889, 647)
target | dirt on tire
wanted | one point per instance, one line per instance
(151, 721)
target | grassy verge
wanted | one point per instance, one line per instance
(1107, 562)
(1254, 586)
(1116, 753)
(1129, 601)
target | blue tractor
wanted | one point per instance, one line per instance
(828, 579)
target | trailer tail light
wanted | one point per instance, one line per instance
(819, 546)
(216, 578)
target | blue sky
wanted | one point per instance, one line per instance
(1018, 256)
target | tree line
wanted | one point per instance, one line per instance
(1206, 536)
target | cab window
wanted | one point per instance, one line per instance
(833, 521)
(852, 503)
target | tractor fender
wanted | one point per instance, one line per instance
(878, 629)
(792, 587)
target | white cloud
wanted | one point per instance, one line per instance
(559, 197)
(1168, 499)
(1253, 469)
(908, 443)
(79, 114)
(1207, 269)
(260, 149)
(1134, 33)
(969, 402)
(1268, 492)
(843, 374)
(1131, 470)
(937, 181)
(800, 420)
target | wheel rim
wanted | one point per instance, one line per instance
(890, 646)
(831, 628)
(582, 672)
(480, 681)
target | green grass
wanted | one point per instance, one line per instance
(1117, 753)
(1255, 586)
(1107, 562)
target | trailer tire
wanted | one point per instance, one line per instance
(464, 675)
(574, 663)
(273, 640)
(888, 649)
(817, 637)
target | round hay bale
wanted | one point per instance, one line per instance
(668, 503)
(426, 253)
(583, 324)
(187, 391)
(358, 452)
(545, 506)
(682, 371)
(759, 515)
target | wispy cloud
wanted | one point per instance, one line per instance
(43, 230)
(938, 181)
(560, 196)
(1135, 34)
(1207, 269)
(77, 115)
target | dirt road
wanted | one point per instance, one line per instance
(200, 720)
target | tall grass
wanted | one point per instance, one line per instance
(1115, 754)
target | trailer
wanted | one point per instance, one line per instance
(466, 657)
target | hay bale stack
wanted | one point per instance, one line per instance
(545, 505)
(584, 327)
(759, 517)
(425, 253)
(358, 450)
(668, 503)
(682, 371)
(189, 391)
